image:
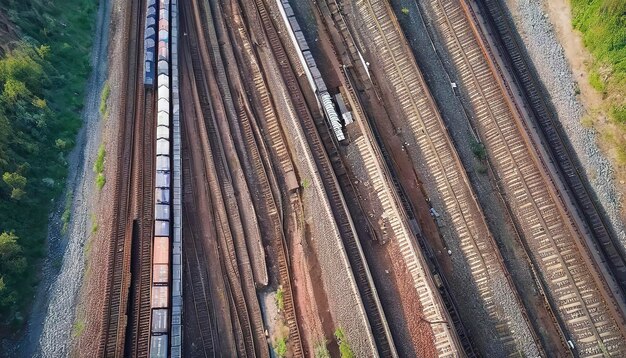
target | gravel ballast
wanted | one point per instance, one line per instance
(555, 71)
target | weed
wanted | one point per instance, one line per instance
(104, 97)
(280, 303)
(67, 212)
(478, 149)
(280, 347)
(78, 328)
(405, 11)
(320, 350)
(306, 183)
(98, 166)
(344, 348)
(100, 181)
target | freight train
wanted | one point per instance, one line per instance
(158, 74)
(313, 73)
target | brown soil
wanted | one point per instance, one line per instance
(311, 304)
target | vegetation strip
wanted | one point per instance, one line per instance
(42, 83)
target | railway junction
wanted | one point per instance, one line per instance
(289, 185)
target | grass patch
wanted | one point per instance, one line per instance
(618, 114)
(67, 211)
(104, 97)
(602, 24)
(320, 350)
(344, 349)
(596, 82)
(94, 227)
(280, 347)
(98, 167)
(78, 328)
(100, 181)
(305, 183)
(280, 303)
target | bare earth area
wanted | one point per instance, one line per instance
(558, 53)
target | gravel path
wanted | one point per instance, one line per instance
(555, 72)
(49, 331)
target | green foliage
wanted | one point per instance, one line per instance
(12, 269)
(478, 149)
(320, 350)
(405, 11)
(104, 97)
(78, 328)
(306, 183)
(280, 347)
(344, 349)
(94, 226)
(603, 27)
(280, 303)
(98, 166)
(42, 82)
(67, 212)
(100, 181)
(618, 114)
(596, 82)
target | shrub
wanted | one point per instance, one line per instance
(478, 149)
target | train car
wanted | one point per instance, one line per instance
(150, 39)
(163, 227)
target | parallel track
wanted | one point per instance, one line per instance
(196, 266)
(443, 164)
(218, 174)
(113, 339)
(550, 235)
(562, 152)
(340, 211)
(206, 82)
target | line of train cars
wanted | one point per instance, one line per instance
(161, 26)
(313, 73)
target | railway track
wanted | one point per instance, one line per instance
(113, 338)
(196, 263)
(562, 152)
(213, 108)
(138, 329)
(218, 51)
(262, 99)
(442, 162)
(225, 209)
(554, 243)
(363, 279)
